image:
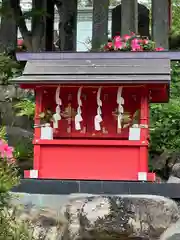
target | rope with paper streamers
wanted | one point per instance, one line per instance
(98, 118)
(57, 115)
(78, 117)
(120, 102)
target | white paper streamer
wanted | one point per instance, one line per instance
(98, 118)
(57, 115)
(78, 117)
(120, 102)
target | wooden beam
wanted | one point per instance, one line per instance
(172, 55)
(129, 16)
(100, 23)
(160, 23)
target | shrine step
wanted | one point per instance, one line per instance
(63, 187)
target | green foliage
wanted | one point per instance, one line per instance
(165, 118)
(176, 18)
(8, 68)
(8, 177)
(12, 229)
(23, 150)
(46, 116)
(25, 107)
(3, 132)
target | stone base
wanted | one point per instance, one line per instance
(88, 216)
(56, 187)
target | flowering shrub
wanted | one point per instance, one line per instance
(8, 171)
(20, 46)
(9, 227)
(132, 43)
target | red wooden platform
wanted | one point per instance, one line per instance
(90, 159)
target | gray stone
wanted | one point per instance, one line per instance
(143, 23)
(9, 117)
(18, 128)
(87, 216)
(17, 134)
(111, 217)
(172, 233)
(42, 223)
(175, 174)
(176, 170)
(9, 92)
(173, 179)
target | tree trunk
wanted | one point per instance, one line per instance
(49, 23)
(68, 24)
(20, 21)
(8, 29)
(38, 25)
(41, 35)
(100, 23)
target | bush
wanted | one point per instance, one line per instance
(8, 68)
(26, 107)
(10, 228)
(165, 122)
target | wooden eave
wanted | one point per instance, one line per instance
(95, 71)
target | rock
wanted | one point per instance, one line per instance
(143, 24)
(17, 135)
(166, 165)
(172, 233)
(10, 95)
(85, 216)
(19, 129)
(9, 117)
(10, 92)
(123, 217)
(44, 223)
(175, 174)
(159, 162)
(176, 170)
(173, 179)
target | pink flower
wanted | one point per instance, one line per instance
(117, 42)
(124, 45)
(12, 160)
(146, 41)
(135, 45)
(126, 37)
(5, 150)
(117, 38)
(159, 49)
(108, 46)
(20, 42)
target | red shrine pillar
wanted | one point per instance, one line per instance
(37, 131)
(144, 124)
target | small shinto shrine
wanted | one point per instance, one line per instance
(100, 113)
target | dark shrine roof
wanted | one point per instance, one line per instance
(95, 69)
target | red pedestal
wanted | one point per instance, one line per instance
(90, 160)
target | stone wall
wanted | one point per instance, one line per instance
(17, 127)
(100, 217)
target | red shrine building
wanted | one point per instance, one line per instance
(99, 105)
(92, 109)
